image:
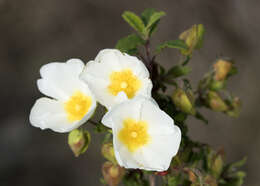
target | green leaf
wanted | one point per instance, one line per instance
(134, 21)
(174, 180)
(239, 163)
(180, 117)
(151, 18)
(134, 179)
(178, 71)
(178, 44)
(200, 35)
(153, 28)
(233, 71)
(154, 18)
(146, 15)
(199, 116)
(129, 44)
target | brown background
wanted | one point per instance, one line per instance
(35, 32)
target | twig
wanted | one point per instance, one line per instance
(93, 122)
(152, 180)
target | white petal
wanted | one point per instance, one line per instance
(165, 136)
(146, 88)
(48, 113)
(97, 74)
(121, 97)
(137, 66)
(126, 109)
(159, 153)
(60, 80)
(99, 87)
(123, 156)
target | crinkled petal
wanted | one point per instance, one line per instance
(50, 114)
(121, 111)
(97, 74)
(60, 80)
(164, 141)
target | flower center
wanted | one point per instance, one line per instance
(77, 106)
(134, 134)
(125, 81)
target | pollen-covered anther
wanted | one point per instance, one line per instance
(134, 134)
(124, 80)
(77, 106)
(123, 85)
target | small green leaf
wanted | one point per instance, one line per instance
(239, 163)
(154, 18)
(180, 117)
(233, 71)
(200, 34)
(134, 21)
(129, 43)
(199, 116)
(151, 18)
(174, 180)
(146, 15)
(153, 28)
(178, 71)
(178, 44)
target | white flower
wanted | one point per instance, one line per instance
(72, 104)
(144, 136)
(113, 72)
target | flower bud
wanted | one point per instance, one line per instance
(217, 85)
(193, 37)
(107, 151)
(217, 166)
(181, 100)
(112, 173)
(215, 162)
(211, 181)
(78, 141)
(222, 68)
(216, 103)
(192, 176)
(236, 107)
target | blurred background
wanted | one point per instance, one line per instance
(33, 33)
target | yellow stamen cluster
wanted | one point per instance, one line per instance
(134, 134)
(125, 81)
(77, 106)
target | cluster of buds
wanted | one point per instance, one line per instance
(211, 86)
(111, 171)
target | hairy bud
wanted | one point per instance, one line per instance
(112, 173)
(222, 68)
(215, 102)
(215, 162)
(211, 181)
(236, 107)
(183, 101)
(107, 151)
(193, 37)
(78, 141)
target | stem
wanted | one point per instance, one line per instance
(149, 61)
(93, 122)
(152, 180)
